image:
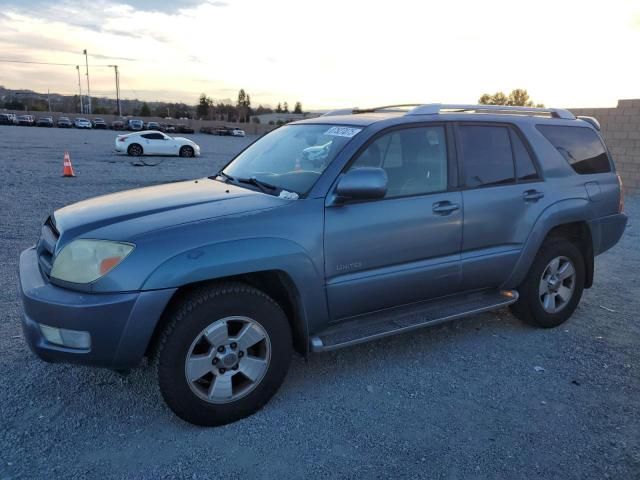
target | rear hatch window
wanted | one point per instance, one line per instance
(581, 147)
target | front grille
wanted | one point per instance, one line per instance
(47, 245)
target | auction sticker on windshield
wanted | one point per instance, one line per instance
(342, 131)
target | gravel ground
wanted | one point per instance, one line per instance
(467, 399)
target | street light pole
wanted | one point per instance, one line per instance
(86, 58)
(80, 89)
(115, 68)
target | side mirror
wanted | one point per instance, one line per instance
(366, 183)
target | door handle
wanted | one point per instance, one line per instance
(532, 195)
(445, 208)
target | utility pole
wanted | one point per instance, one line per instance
(80, 89)
(86, 58)
(49, 99)
(115, 68)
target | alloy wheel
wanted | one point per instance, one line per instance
(557, 284)
(228, 359)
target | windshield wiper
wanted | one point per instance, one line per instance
(228, 177)
(263, 186)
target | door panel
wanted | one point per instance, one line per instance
(497, 222)
(391, 252)
(405, 247)
(503, 199)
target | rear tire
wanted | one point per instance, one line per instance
(186, 152)
(134, 150)
(224, 354)
(553, 287)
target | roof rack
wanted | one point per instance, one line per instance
(401, 107)
(436, 108)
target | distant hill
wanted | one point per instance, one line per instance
(23, 99)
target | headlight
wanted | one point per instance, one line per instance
(84, 261)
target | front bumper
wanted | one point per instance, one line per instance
(120, 324)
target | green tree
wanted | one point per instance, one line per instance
(297, 108)
(202, 110)
(279, 108)
(144, 110)
(497, 98)
(243, 98)
(518, 97)
(14, 104)
(285, 107)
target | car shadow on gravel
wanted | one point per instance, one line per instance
(109, 395)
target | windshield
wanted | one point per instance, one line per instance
(292, 157)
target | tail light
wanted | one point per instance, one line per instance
(121, 139)
(621, 202)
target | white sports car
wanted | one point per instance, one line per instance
(151, 142)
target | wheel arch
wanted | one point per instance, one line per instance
(275, 283)
(566, 219)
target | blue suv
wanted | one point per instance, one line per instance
(322, 234)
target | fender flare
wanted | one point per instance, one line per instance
(565, 211)
(246, 256)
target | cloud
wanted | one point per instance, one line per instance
(164, 6)
(111, 57)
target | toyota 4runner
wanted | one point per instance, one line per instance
(403, 217)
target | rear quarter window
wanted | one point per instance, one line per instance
(581, 147)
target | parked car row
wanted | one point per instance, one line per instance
(133, 125)
(224, 131)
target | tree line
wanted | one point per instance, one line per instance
(206, 109)
(518, 97)
(242, 111)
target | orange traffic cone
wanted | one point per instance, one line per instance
(68, 169)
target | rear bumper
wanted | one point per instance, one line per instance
(120, 324)
(607, 231)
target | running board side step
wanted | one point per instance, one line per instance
(383, 323)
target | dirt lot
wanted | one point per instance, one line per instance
(458, 401)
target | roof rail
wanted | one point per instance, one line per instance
(355, 110)
(436, 108)
(397, 107)
(340, 111)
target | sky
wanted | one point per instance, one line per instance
(328, 53)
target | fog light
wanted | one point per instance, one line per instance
(66, 338)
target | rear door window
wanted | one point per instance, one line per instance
(487, 156)
(580, 146)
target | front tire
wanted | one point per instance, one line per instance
(224, 354)
(553, 287)
(186, 152)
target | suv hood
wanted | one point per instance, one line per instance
(124, 215)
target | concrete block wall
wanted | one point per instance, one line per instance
(621, 131)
